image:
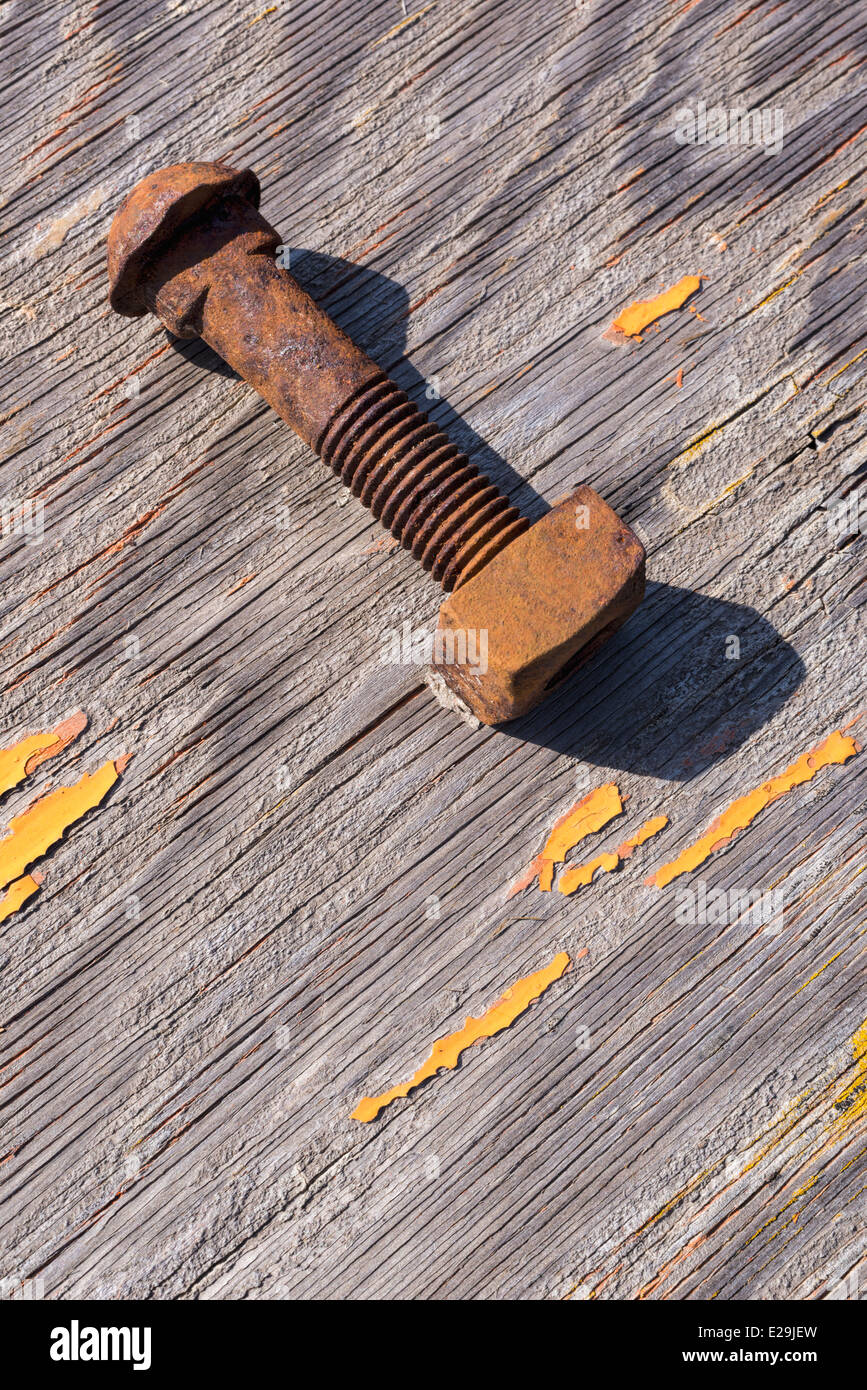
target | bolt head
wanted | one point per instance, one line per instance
(545, 603)
(153, 212)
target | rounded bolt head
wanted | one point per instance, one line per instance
(154, 211)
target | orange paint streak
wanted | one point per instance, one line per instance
(446, 1051)
(835, 749)
(18, 893)
(133, 372)
(643, 312)
(584, 818)
(582, 874)
(24, 757)
(631, 180)
(438, 289)
(133, 531)
(738, 19)
(45, 822)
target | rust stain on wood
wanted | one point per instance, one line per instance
(446, 1051)
(385, 544)
(242, 583)
(633, 178)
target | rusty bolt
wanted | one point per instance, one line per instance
(189, 244)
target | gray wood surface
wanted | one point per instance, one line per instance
(300, 881)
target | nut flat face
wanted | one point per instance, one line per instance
(539, 608)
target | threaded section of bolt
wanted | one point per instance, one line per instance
(428, 494)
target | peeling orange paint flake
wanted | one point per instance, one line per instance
(582, 874)
(24, 757)
(46, 821)
(835, 749)
(446, 1051)
(644, 312)
(242, 583)
(587, 816)
(17, 893)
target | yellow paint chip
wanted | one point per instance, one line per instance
(45, 822)
(695, 448)
(17, 893)
(24, 757)
(582, 874)
(638, 316)
(835, 749)
(409, 19)
(853, 1101)
(587, 816)
(447, 1050)
(773, 294)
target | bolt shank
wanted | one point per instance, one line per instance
(219, 280)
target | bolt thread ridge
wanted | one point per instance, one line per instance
(419, 484)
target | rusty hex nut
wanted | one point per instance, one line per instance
(540, 608)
